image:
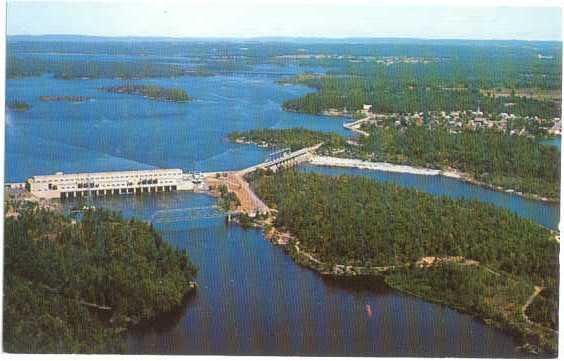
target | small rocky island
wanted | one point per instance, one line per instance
(152, 92)
(19, 106)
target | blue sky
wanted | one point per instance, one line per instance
(197, 19)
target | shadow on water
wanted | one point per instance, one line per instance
(166, 321)
(357, 284)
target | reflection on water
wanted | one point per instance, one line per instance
(167, 321)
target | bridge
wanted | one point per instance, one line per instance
(283, 159)
(235, 180)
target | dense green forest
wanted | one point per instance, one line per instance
(151, 91)
(356, 221)
(394, 93)
(495, 296)
(512, 162)
(75, 287)
(488, 156)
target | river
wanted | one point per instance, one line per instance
(252, 298)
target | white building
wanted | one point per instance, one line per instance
(60, 185)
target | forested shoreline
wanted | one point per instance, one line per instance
(490, 157)
(18, 67)
(76, 287)
(487, 157)
(483, 250)
(351, 93)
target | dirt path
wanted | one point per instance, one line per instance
(235, 183)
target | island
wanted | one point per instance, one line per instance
(293, 138)
(75, 287)
(18, 106)
(483, 157)
(471, 256)
(151, 92)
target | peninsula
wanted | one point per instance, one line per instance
(84, 282)
(447, 251)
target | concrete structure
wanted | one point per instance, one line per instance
(60, 185)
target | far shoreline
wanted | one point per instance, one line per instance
(409, 169)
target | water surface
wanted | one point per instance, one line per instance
(254, 300)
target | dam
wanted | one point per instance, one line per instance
(74, 185)
(61, 185)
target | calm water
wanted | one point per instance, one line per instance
(253, 299)
(119, 131)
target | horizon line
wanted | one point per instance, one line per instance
(258, 37)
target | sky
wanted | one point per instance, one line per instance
(291, 19)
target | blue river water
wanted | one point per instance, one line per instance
(253, 299)
(119, 131)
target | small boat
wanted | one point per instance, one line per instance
(369, 311)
